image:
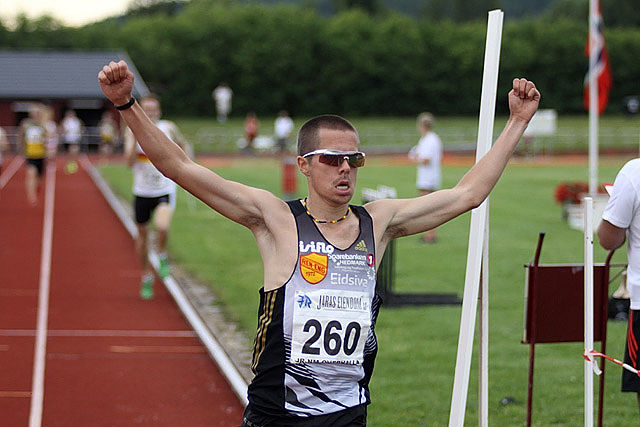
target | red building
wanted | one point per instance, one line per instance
(60, 79)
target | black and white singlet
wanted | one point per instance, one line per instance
(315, 346)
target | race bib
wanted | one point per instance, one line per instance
(330, 326)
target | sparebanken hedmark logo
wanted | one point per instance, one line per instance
(361, 246)
(313, 267)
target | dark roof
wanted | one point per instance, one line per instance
(58, 74)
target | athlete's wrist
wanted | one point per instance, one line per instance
(126, 104)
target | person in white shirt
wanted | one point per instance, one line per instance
(154, 195)
(428, 156)
(71, 128)
(222, 95)
(621, 220)
(283, 128)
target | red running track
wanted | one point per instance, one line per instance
(111, 359)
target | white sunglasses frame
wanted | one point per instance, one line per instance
(346, 154)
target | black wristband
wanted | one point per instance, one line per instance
(127, 105)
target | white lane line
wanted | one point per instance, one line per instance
(99, 333)
(11, 169)
(37, 385)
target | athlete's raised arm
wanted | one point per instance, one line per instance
(403, 217)
(240, 203)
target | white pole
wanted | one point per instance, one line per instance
(588, 310)
(483, 332)
(479, 218)
(593, 98)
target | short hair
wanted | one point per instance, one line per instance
(37, 108)
(151, 97)
(426, 120)
(308, 136)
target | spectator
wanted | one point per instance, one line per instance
(222, 96)
(283, 128)
(250, 131)
(428, 156)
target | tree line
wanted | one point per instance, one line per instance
(290, 57)
(618, 13)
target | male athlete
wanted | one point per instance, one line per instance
(154, 195)
(315, 346)
(34, 134)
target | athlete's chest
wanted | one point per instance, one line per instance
(339, 235)
(329, 301)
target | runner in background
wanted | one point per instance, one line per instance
(108, 134)
(52, 131)
(71, 129)
(154, 195)
(33, 136)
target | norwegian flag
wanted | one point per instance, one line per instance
(602, 68)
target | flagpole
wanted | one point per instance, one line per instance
(593, 98)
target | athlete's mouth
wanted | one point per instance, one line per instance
(343, 185)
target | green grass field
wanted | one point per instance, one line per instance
(399, 133)
(413, 379)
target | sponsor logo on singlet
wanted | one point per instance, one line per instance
(313, 267)
(361, 246)
(348, 279)
(319, 247)
(371, 260)
(343, 259)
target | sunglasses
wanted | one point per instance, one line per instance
(336, 157)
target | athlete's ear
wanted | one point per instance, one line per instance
(304, 165)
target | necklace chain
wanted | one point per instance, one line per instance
(320, 221)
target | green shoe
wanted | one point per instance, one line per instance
(164, 268)
(146, 288)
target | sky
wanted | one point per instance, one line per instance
(70, 12)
